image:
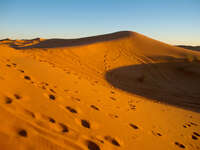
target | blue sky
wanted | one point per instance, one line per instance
(171, 21)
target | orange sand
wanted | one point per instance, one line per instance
(116, 91)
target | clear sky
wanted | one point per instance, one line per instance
(171, 21)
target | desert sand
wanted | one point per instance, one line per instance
(119, 91)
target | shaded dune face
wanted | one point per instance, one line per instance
(54, 43)
(175, 83)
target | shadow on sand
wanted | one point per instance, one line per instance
(174, 83)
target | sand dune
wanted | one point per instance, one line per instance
(114, 91)
(194, 48)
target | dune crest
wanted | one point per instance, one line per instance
(115, 91)
(56, 43)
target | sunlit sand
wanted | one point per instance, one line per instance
(108, 92)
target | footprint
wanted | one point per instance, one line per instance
(46, 84)
(94, 107)
(194, 137)
(179, 145)
(17, 96)
(186, 125)
(85, 124)
(43, 87)
(113, 98)
(68, 72)
(132, 106)
(27, 78)
(192, 123)
(52, 97)
(156, 133)
(113, 116)
(66, 90)
(64, 127)
(159, 134)
(133, 126)
(30, 113)
(8, 100)
(76, 99)
(92, 146)
(76, 91)
(22, 71)
(197, 134)
(112, 92)
(112, 140)
(52, 120)
(52, 90)
(23, 133)
(72, 110)
(8, 65)
(14, 64)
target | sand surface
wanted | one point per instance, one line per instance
(109, 92)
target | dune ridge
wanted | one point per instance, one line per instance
(121, 90)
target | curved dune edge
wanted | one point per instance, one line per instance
(103, 92)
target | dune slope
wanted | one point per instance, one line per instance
(115, 91)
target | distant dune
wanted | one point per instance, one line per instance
(196, 48)
(107, 92)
